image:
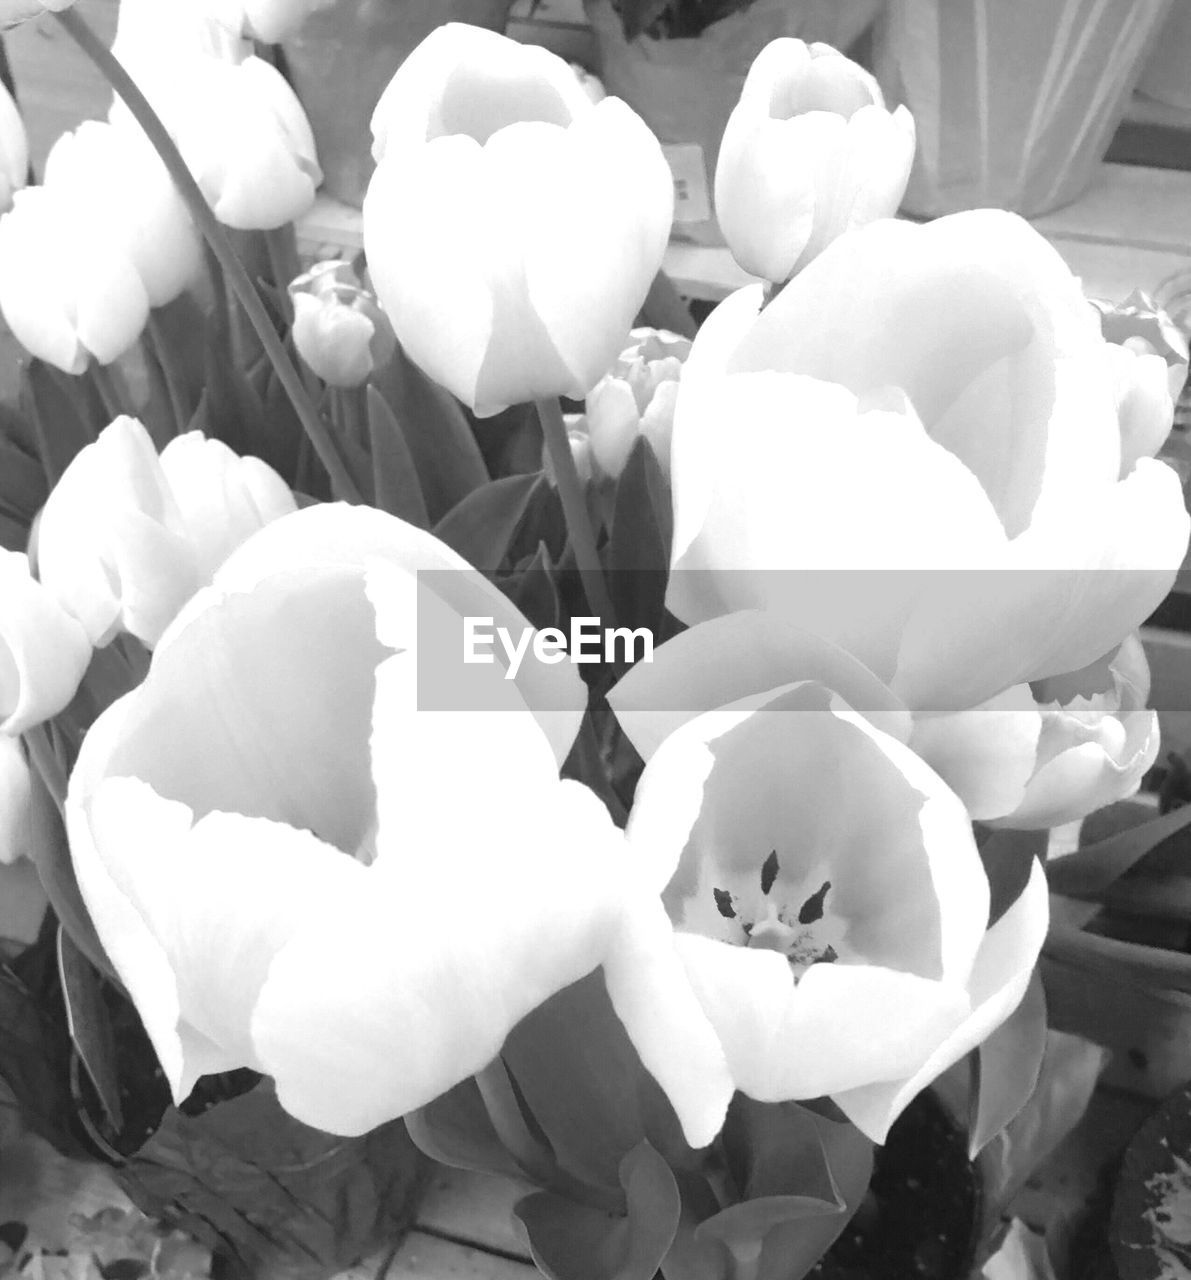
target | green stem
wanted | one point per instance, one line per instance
(284, 265)
(110, 394)
(574, 509)
(213, 233)
(45, 761)
(351, 412)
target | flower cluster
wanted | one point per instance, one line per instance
(896, 507)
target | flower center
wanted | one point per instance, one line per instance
(804, 933)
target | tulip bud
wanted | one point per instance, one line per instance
(43, 651)
(636, 397)
(14, 150)
(14, 12)
(68, 290)
(809, 152)
(1147, 356)
(126, 538)
(499, 282)
(222, 498)
(111, 546)
(339, 328)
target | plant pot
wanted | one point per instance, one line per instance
(685, 88)
(925, 1214)
(1015, 101)
(343, 57)
(1166, 77)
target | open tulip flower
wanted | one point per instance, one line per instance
(512, 227)
(915, 452)
(126, 537)
(828, 902)
(809, 152)
(350, 890)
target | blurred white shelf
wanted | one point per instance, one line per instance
(1132, 229)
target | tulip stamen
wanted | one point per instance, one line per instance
(769, 870)
(812, 909)
(724, 905)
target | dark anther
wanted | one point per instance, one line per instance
(769, 870)
(829, 956)
(812, 908)
(723, 902)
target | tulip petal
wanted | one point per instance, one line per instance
(762, 523)
(1068, 591)
(843, 1025)
(1088, 776)
(974, 298)
(336, 535)
(220, 896)
(674, 1037)
(986, 754)
(730, 657)
(423, 252)
(275, 688)
(765, 190)
(409, 995)
(589, 263)
(999, 981)
(44, 652)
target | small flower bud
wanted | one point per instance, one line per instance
(339, 328)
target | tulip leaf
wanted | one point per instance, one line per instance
(395, 482)
(583, 1083)
(638, 551)
(1152, 1202)
(252, 1182)
(60, 417)
(1070, 1069)
(1087, 873)
(456, 1130)
(1008, 857)
(807, 1173)
(89, 1026)
(534, 591)
(572, 1241)
(30, 1061)
(23, 489)
(481, 527)
(437, 431)
(50, 853)
(1007, 1066)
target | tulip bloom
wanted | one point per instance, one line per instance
(222, 499)
(236, 121)
(113, 176)
(277, 830)
(931, 405)
(828, 903)
(339, 329)
(512, 227)
(809, 152)
(68, 291)
(44, 652)
(126, 538)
